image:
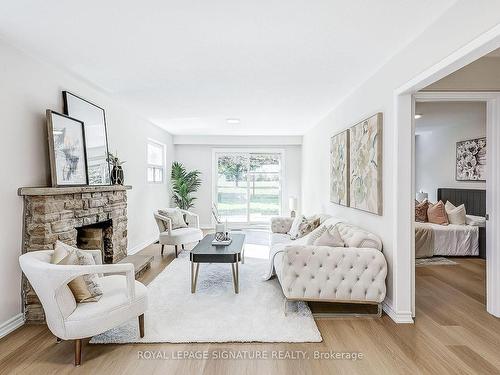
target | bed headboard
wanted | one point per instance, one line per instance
(474, 200)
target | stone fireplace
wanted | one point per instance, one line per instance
(91, 217)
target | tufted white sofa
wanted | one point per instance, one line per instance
(352, 274)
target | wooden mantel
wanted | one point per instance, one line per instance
(33, 191)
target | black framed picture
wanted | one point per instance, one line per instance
(68, 162)
(96, 139)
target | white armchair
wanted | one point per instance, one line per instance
(179, 236)
(123, 297)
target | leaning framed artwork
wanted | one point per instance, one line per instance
(66, 136)
(365, 153)
(96, 140)
(339, 168)
(471, 160)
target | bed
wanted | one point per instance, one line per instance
(455, 240)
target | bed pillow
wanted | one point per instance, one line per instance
(478, 221)
(456, 215)
(436, 213)
(421, 211)
(294, 229)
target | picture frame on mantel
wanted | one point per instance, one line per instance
(67, 155)
(96, 138)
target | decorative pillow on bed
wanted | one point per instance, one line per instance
(456, 215)
(421, 211)
(436, 213)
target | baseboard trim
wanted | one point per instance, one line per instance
(398, 317)
(12, 324)
(142, 245)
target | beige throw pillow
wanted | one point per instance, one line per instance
(307, 226)
(176, 216)
(85, 288)
(456, 215)
(331, 237)
(436, 214)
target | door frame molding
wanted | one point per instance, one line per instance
(403, 180)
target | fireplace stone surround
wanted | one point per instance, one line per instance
(52, 214)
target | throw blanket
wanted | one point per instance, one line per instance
(424, 242)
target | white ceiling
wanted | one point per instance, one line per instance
(279, 66)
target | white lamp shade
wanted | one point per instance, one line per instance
(292, 203)
(421, 196)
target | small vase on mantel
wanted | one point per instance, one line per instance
(117, 171)
(117, 177)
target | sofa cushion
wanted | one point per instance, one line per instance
(330, 237)
(307, 226)
(294, 229)
(85, 288)
(175, 215)
(354, 236)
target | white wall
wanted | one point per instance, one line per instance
(444, 124)
(199, 156)
(377, 94)
(28, 87)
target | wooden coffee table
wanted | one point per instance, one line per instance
(205, 252)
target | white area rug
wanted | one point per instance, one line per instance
(434, 261)
(215, 313)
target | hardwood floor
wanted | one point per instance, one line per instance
(452, 334)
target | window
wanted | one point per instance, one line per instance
(156, 162)
(248, 185)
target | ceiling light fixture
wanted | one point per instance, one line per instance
(417, 116)
(233, 121)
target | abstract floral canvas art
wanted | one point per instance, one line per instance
(339, 168)
(471, 160)
(365, 149)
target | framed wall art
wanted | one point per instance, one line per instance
(365, 150)
(96, 139)
(66, 136)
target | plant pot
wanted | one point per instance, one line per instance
(117, 175)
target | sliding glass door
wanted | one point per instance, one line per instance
(248, 185)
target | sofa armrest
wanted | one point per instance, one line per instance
(340, 274)
(164, 223)
(281, 224)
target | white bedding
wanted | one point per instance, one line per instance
(454, 240)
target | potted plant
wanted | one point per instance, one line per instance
(117, 177)
(184, 184)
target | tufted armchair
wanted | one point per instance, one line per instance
(123, 298)
(355, 273)
(179, 236)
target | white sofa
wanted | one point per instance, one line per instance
(352, 274)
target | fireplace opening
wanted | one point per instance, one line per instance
(97, 236)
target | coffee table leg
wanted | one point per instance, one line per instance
(194, 276)
(236, 277)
